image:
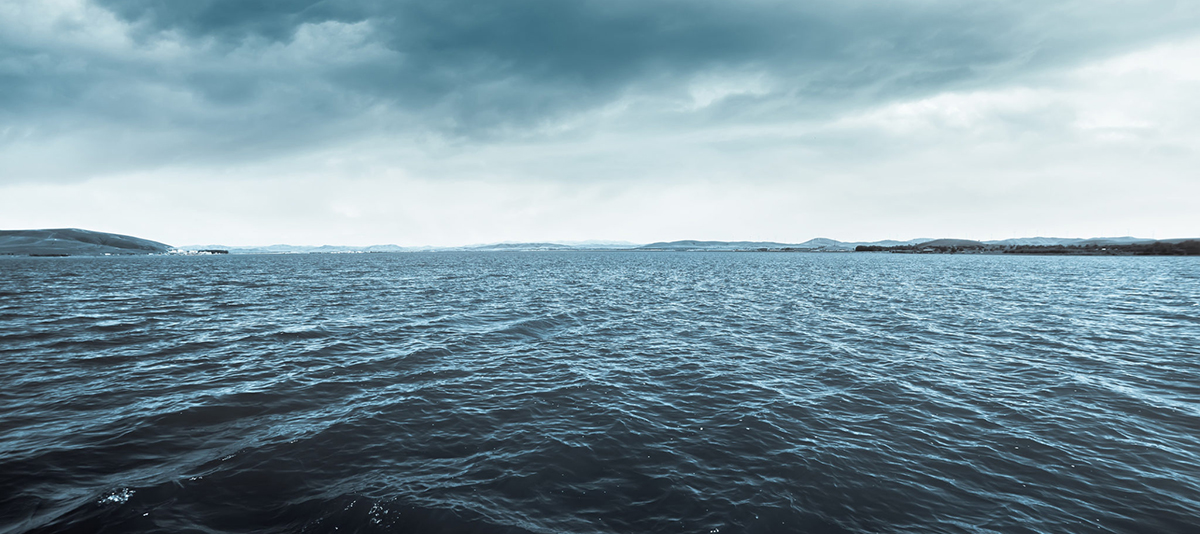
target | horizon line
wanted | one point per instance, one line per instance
(616, 242)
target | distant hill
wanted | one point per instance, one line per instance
(712, 245)
(1070, 241)
(1101, 246)
(519, 247)
(820, 244)
(951, 243)
(74, 242)
(303, 249)
(491, 247)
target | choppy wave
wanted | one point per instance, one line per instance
(599, 392)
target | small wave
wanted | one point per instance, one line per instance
(540, 328)
(120, 496)
(666, 393)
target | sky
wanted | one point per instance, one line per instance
(452, 122)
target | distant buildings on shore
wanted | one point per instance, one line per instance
(201, 252)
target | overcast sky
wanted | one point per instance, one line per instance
(254, 122)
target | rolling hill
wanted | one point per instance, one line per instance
(74, 242)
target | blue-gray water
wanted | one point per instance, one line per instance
(600, 392)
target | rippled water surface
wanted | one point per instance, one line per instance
(600, 392)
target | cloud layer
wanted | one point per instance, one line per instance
(908, 95)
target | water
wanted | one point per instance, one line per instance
(600, 392)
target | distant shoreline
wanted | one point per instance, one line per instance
(1020, 251)
(74, 242)
(1157, 248)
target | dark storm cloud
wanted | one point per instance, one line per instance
(485, 64)
(264, 77)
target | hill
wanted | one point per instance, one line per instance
(74, 242)
(942, 243)
(712, 245)
(820, 244)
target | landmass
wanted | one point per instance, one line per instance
(75, 242)
(820, 244)
(1082, 247)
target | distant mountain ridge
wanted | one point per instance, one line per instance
(304, 249)
(1068, 242)
(1119, 246)
(78, 242)
(494, 247)
(75, 242)
(826, 244)
(818, 244)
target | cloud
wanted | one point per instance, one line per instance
(130, 85)
(452, 122)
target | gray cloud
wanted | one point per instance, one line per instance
(237, 80)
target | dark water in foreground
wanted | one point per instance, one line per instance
(600, 392)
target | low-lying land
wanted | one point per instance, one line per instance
(76, 242)
(1189, 247)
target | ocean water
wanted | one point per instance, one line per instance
(607, 392)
